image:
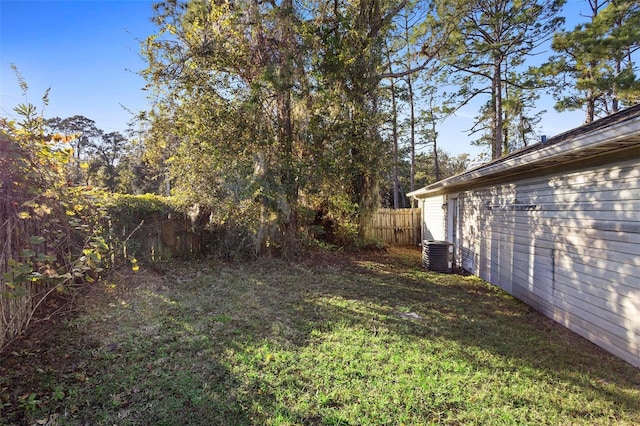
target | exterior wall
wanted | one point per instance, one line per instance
(433, 218)
(566, 244)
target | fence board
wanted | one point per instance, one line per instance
(394, 226)
(163, 238)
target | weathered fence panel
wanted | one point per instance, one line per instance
(161, 237)
(395, 226)
(19, 295)
(157, 237)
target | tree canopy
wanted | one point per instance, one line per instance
(274, 116)
(267, 112)
(594, 68)
(274, 106)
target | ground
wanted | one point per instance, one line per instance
(334, 338)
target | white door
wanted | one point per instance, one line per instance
(453, 225)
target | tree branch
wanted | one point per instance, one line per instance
(386, 20)
(407, 72)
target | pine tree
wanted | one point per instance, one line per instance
(594, 69)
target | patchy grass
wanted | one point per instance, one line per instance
(366, 339)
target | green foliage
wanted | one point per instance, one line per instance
(29, 403)
(594, 68)
(349, 237)
(124, 220)
(448, 165)
(50, 230)
(278, 109)
(225, 231)
(128, 210)
(486, 52)
(81, 129)
(105, 160)
(138, 172)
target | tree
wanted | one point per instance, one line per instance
(402, 52)
(82, 133)
(234, 64)
(141, 168)
(82, 129)
(268, 104)
(395, 158)
(448, 166)
(519, 122)
(106, 153)
(415, 43)
(409, 31)
(493, 35)
(594, 68)
(350, 53)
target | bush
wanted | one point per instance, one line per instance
(50, 233)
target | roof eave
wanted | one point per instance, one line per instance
(619, 134)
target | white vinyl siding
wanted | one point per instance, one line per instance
(567, 244)
(433, 218)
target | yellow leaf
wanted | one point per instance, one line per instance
(42, 210)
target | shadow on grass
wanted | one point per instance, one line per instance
(477, 315)
(285, 305)
(128, 358)
(196, 345)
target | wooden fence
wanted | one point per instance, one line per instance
(395, 226)
(161, 237)
(157, 237)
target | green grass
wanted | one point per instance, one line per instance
(367, 339)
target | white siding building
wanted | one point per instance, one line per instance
(556, 225)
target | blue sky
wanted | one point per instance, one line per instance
(88, 53)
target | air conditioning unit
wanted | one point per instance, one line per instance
(437, 256)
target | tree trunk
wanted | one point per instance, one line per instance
(412, 116)
(591, 107)
(394, 124)
(497, 109)
(287, 201)
(615, 105)
(394, 137)
(436, 163)
(413, 132)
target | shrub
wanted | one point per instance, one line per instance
(50, 233)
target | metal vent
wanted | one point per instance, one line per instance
(437, 256)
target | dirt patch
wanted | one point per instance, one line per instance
(400, 255)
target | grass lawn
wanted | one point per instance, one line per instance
(342, 339)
